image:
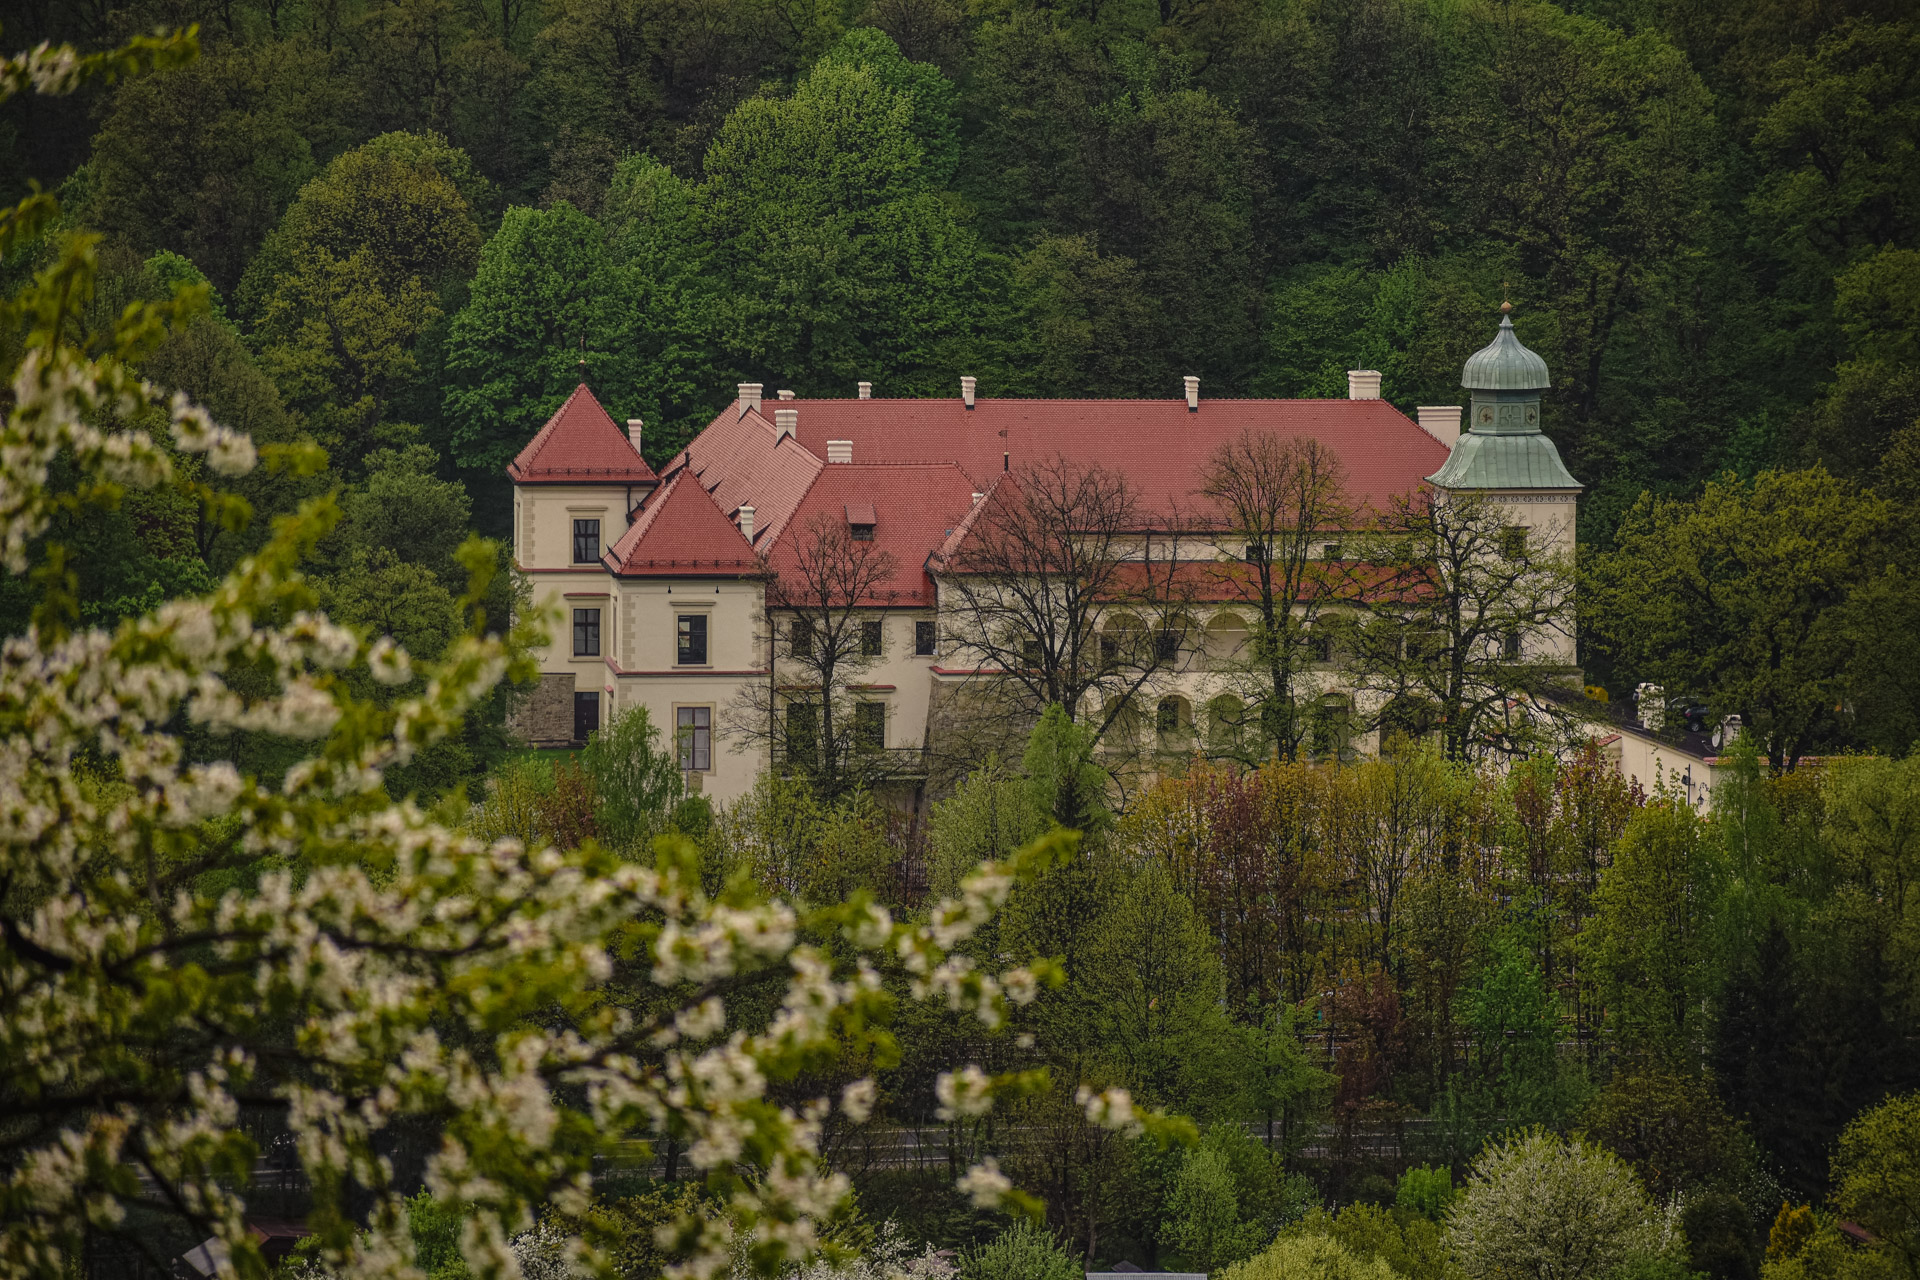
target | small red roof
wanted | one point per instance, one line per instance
(580, 445)
(911, 507)
(679, 532)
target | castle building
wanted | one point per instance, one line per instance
(683, 591)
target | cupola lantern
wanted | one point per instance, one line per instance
(1502, 447)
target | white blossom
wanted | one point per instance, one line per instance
(857, 1099)
(985, 1185)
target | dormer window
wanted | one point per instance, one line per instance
(860, 521)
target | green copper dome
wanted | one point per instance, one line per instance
(1504, 462)
(1505, 365)
(1502, 447)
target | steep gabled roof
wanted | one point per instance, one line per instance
(679, 532)
(741, 462)
(911, 507)
(580, 445)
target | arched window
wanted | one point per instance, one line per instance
(1226, 640)
(1123, 729)
(1330, 728)
(1226, 723)
(1123, 640)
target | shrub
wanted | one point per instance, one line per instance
(1553, 1209)
(1021, 1252)
(1309, 1257)
(1426, 1191)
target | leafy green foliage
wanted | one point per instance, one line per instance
(1318, 1256)
(1021, 1252)
(636, 781)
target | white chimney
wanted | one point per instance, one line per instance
(1441, 421)
(749, 397)
(866, 391)
(966, 390)
(784, 395)
(1363, 384)
(977, 495)
(839, 451)
(1193, 394)
(746, 522)
(785, 423)
(633, 432)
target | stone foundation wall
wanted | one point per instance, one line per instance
(545, 718)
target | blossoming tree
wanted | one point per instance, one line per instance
(179, 941)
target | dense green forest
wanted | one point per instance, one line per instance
(421, 220)
(420, 215)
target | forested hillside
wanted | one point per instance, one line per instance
(421, 215)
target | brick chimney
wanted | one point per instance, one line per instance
(633, 432)
(839, 451)
(966, 390)
(749, 397)
(1363, 384)
(1441, 421)
(1193, 393)
(746, 522)
(866, 391)
(785, 423)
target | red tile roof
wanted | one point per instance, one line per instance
(679, 532)
(580, 445)
(1157, 444)
(740, 461)
(912, 507)
(918, 462)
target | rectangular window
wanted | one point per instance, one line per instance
(800, 638)
(1331, 551)
(586, 715)
(870, 725)
(693, 640)
(863, 533)
(803, 734)
(586, 633)
(1030, 652)
(870, 639)
(1513, 543)
(1512, 646)
(923, 639)
(586, 541)
(693, 731)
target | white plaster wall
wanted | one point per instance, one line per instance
(645, 670)
(1649, 762)
(559, 594)
(543, 516)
